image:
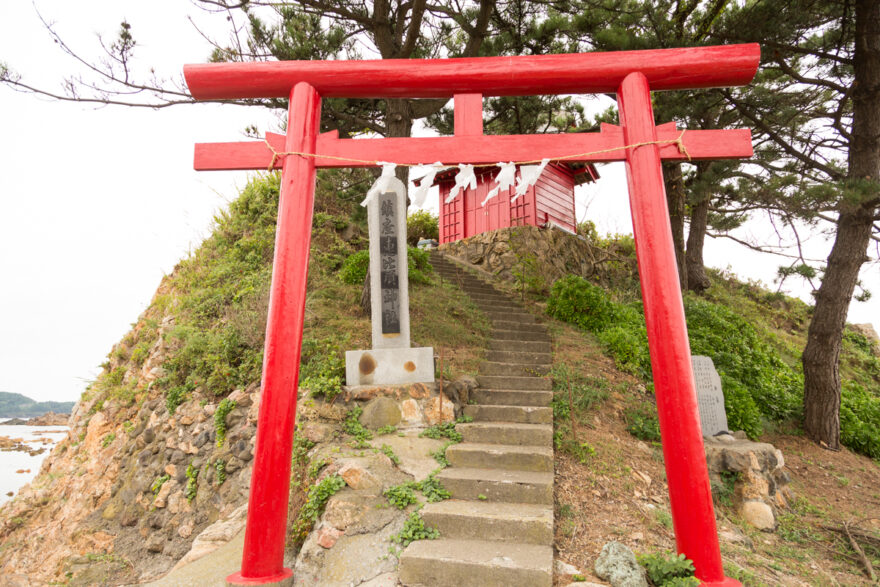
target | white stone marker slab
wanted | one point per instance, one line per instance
(710, 397)
(389, 278)
(391, 360)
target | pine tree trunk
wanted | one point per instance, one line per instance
(675, 200)
(855, 219)
(366, 299)
(697, 280)
(398, 123)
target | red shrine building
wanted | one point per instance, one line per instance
(549, 202)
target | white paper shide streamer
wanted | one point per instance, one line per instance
(465, 177)
(381, 184)
(505, 178)
(528, 176)
(417, 195)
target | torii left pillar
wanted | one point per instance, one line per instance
(262, 561)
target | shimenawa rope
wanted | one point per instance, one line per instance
(678, 142)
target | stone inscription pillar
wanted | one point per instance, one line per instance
(391, 360)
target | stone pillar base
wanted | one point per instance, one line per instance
(389, 366)
(282, 579)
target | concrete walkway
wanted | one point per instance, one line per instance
(209, 571)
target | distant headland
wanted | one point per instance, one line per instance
(15, 405)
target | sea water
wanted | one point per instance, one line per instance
(12, 461)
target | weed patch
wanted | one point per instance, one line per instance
(403, 495)
(643, 423)
(323, 366)
(389, 452)
(446, 430)
(668, 570)
(351, 425)
(223, 408)
(314, 505)
(192, 482)
(414, 529)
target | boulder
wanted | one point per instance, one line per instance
(758, 514)
(215, 535)
(379, 412)
(359, 478)
(358, 556)
(618, 565)
(761, 483)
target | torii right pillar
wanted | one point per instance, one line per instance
(690, 495)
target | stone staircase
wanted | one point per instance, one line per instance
(497, 530)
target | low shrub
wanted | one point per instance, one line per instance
(757, 382)
(860, 420)
(421, 224)
(574, 299)
(354, 269)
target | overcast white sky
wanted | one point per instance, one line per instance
(96, 205)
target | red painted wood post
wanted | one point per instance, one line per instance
(468, 115)
(690, 496)
(263, 556)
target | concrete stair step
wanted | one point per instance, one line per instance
(455, 271)
(507, 382)
(476, 563)
(521, 358)
(517, 316)
(512, 397)
(515, 369)
(517, 414)
(501, 456)
(487, 299)
(498, 485)
(503, 323)
(490, 294)
(518, 345)
(512, 433)
(458, 277)
(464, 280)
(499, 306)
(505, 335)
(482, 291)
(484, 520)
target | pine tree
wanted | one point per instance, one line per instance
(827, 53)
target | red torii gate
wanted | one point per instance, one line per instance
(642, 145)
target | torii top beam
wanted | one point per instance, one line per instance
(580, 73)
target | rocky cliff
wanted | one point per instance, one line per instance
(124, 496)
